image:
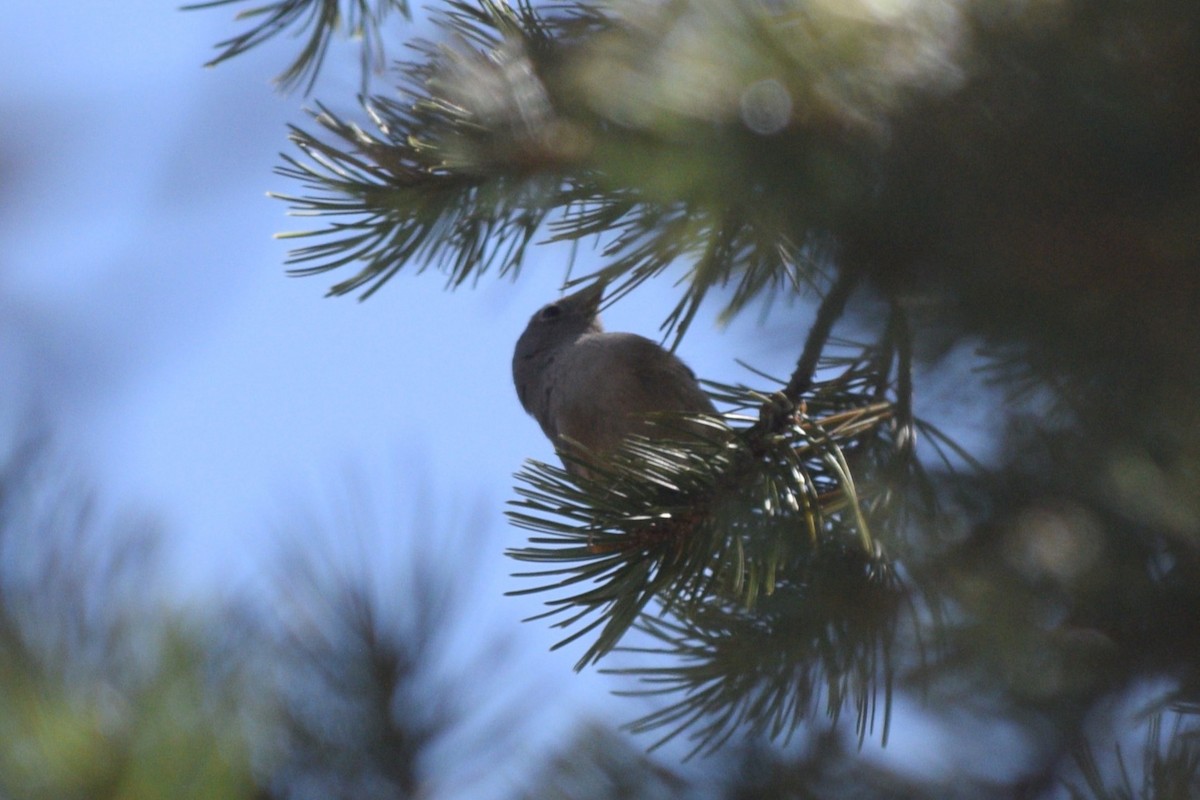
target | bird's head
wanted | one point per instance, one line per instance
(555, 325)
(561, 322)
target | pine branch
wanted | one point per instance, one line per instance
(901, 334)
(757, 537)
(403, 209)
(823, 634)
(364, 676)
(435, 184)
(830, 310)
(597, 763)
(1169, 769)
(723, 246)
(681, 521)
(82, 625)
(500, 130)
(321, 19)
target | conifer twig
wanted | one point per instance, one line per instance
(779, 410)
(901, 335)
(828, 313)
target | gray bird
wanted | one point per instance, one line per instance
(593, 388)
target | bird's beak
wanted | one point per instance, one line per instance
(586, 299)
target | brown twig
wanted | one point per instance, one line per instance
(830, 310)
(780, 409)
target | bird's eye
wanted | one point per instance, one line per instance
(551, 311)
